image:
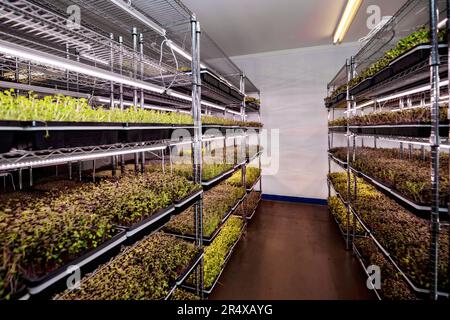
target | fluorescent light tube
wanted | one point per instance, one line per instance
(141, 17)
(346, 20)
(181, 52)
(179, 95)
(212, 105)
(413, 91)
(62, 63)
(442, 23)
(205, 103)
(234, 112)
(146, 106)
(84, 157)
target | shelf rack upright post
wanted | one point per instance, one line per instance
(408, 86)
(448, 119)
(349, 70)
(197, 145)
(435, 148)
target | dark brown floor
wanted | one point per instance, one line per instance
(291, 251)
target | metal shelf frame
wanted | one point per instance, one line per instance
(392, 193)
(427, 95)
(120, 54)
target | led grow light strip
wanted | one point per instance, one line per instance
(85, 157)
(361, 106)
(410, 92)
(146, 106)
(181, 52)
(347, 18)
(138, 15)
(441, 99)
(61, 63)
(442, 23)
(205, 103)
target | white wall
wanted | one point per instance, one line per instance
(293, 86)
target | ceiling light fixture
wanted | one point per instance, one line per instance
(346, 20)
(62, 63)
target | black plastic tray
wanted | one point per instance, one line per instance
(38, 135)
(367, 83)
(189, 268)
(209, 79)
(414, 56)
(253, 185)
(46, 286)
(145, 227)
(208, 184)
(236, 94)
(421, 210)
(208, 291)
(338, 129)
(411, 130)
(383, 75)
(189, 200)
(224, 88)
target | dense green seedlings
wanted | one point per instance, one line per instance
(67, 109)
(217, 251)
(40, 233)
(216, 203)
(405, 236)
(252, 174)
(209, 170)
(146, 271)
(339, 211)
(393, 286)
(409, 116)
(249, 205)
(253, 100)
(410, 177)
(183, 295)
(418, 37)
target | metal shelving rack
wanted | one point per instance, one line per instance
(409, 89)
(120, 54)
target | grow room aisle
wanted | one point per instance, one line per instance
(292, 251)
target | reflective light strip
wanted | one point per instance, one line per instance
(146, 106)
(413, 91)
(141, 17)
(84, 157)
(205, 103)
(183, 53)
(62, 63)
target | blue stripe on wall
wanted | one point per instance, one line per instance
(272, 197)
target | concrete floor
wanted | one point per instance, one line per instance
(292, 252)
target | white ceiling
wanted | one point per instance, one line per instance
(251, 26)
